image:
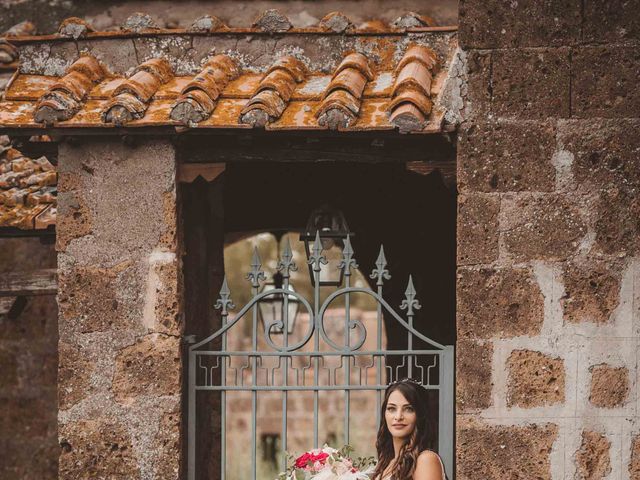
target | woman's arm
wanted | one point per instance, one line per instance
(428, 467)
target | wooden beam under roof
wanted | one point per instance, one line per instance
(30, 283)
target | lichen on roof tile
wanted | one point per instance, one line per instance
(199, 97)
(65, 97)
(130, 99)
(413, 20)
(208, 23)
(75, 28)
(140, 22)
(272, 21)
(274, 92)
(337, 22)
(27, 189)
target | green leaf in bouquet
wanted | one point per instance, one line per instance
(300, 474)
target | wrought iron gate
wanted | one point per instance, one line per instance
(211, 363)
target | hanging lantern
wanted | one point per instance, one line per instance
(332, 229)
(272, 307)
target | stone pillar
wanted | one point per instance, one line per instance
(548, 241)
(120, 324)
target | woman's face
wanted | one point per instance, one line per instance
(400, 415)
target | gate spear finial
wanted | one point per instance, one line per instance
(348, 260)
(316, 258)
(286, 265)
(224, 301)
(381, 272)
(410, 302)
(256, 274)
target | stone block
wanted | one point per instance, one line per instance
(545, 227)
(151, 366)
(96, 448)
(88, 301)
(506, 157)
(477, 229)
(605, 151)
(501, 452)
(526, 23)
(634, 464)
(73, 219)
(611, 22)
(498, 303)
(473, 375)
(617, 226)
(593, 458)
(167, 313)
(535, 379)
(609, 386)
(530, 83)
(167, 446)
(479, 82)
(74, 375)
(592, 292)
(604, 80)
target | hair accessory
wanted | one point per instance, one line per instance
(406, 380)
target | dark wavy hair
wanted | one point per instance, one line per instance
(416, 443)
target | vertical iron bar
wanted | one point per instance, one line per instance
(379, 393)
(192, 417)
(285, 380)
(223, 406)
(254, 393)
(347, 344)
(445, 408)
(316, 349)
(410, 347)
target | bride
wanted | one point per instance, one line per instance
(402, 436)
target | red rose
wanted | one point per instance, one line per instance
(303, 460)
(321, 457)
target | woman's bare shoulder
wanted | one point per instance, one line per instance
(428, 466)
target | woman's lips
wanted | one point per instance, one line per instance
(398, 425)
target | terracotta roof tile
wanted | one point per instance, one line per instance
(74, 27)
(274, 92)
(130, 99)
(411, 102)
(8, 52)
(140, 22)
(301, 88)
(208, 23)
(342, 97)
(198, 98)
(65, 97)
(336, 22)
(22, 29)
(413, 20)
(28, 192)
(272, 21)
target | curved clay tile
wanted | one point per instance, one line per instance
(131, 98)
(336, 22)
(139, 22)
(9, 53)
(373, 26)
(411, 97)
(208, 23)
(65, 97)
(74, 27)
(343, 95)
(22, 29)
(413, 20)
(272, 21)
(273, 92)
(198, 98)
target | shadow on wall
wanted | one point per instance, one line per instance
(28, 370)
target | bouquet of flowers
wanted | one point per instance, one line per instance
(327, 463)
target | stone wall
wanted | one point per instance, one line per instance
(120, 320)
(28, 370)
(548, 240)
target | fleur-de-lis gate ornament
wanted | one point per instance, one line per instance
(294, 366)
